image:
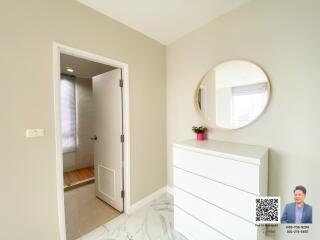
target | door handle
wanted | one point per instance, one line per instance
(94, 138)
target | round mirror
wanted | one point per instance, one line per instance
(232, 95)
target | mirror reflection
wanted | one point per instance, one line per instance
(233, 94)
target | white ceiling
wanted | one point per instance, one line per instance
(164, 20)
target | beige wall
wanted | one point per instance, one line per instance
(283, 37)
(28, 184)
(223, 107)
(209, 107)
(69, 161)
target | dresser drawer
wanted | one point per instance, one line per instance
(221, 195)
(241, 175)
(224, 222)
(193, 229)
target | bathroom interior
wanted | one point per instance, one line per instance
(83, 209)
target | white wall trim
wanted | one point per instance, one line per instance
(147, 200)
(170, 190)
(57, 49)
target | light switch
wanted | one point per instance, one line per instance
(32, 133)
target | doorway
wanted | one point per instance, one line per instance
(92, 140)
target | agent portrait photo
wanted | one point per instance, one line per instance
(297, 212)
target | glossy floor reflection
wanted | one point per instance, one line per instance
(152, 222)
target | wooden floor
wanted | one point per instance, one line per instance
(78, 176)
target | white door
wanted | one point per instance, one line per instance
(107, 97)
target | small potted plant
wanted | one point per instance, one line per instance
(201, 132)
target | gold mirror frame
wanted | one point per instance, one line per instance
(203, 118)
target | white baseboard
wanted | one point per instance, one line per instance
(170, 190)
(145, 201)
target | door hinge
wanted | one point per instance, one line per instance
(121, 83)
(122, 194)
(121, 138)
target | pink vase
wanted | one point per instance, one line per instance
(201, 136)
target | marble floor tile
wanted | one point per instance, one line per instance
(152, 222)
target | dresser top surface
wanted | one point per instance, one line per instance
(235, 150)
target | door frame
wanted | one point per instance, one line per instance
(57, 50)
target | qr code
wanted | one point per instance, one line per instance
(267, 210)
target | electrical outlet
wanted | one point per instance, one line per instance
(32, 133)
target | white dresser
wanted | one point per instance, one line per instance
(215, 186)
